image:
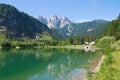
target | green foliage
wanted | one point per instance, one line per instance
(110, 69)
(26, 44)
(105, 43)
(79, 39)
(56, 35)
(6, 44)
(2, 38)
(97, 27)
(75, 40)
(113, 28)
(19, 24)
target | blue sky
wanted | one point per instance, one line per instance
(73, 9)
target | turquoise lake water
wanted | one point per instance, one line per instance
(43, 64)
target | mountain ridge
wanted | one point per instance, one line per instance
(20, 24)
(91, 28)
(54, 21)
(94, 27)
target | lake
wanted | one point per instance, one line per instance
(44, 64)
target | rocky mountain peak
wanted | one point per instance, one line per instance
(48, 19)
(65, 18)
(41, 19)
(55, 21)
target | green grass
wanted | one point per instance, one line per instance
(110, 69)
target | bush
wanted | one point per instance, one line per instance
(105, 43)
(6, 44)
(26, 44)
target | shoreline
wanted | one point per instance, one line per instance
(95, 68)
(81, 47)
(67, 47)
(97, 64)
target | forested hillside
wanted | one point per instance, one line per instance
(93, 28)
(113, 28)
(18, 24)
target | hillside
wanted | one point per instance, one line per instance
(92, 28)
(19, 24)
(113, 28)
(66, 27)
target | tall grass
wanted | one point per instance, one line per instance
(110, 68)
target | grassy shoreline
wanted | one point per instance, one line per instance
(67, 46)
(110, 68)
(81, 47)
(96, 64)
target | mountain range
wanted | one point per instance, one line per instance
(68, 28)
(55, 21)
(14, 23)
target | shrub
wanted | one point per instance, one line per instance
(105, 43)
(6, 44)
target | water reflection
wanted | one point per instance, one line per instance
(42, 64)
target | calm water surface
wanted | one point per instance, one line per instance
(43, 64)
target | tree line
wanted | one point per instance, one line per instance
(113, 29)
